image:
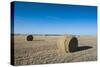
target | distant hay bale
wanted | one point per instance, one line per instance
(67, 44)
(29, 38)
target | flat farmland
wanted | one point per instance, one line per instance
(44, 50)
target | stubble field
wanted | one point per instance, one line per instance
(44, 50)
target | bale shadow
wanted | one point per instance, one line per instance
(73, 46)
(82, 48)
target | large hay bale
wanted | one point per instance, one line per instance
(67, 44)
(29, 38)
(61, 45)
(71, 44)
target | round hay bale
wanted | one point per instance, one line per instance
(61, 45)
(71, 44)
(29, 38)
(67, 44)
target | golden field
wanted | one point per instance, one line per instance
(45, 50)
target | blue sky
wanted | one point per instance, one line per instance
(38, 18)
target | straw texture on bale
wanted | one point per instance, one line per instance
(61, 45)
(67, 44)
(71, 44)
(29, 38)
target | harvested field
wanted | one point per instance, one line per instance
(45, 50)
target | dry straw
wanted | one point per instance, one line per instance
(67, 44)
